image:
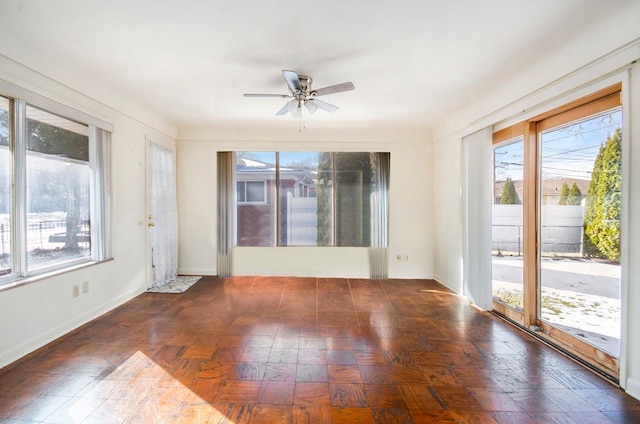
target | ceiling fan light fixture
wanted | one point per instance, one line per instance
(297, 112)
(311, 106)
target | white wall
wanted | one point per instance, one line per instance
(410, 214)
(34, 314)
(447, 201)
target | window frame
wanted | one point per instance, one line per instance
(99, 186)
(252, 202)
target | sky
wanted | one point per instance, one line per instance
(567, 152)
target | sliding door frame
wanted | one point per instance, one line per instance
(599, 101)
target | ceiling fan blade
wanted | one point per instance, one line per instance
(281, 96)
(292, 80)
(325, 106)
(338, 88)
(283, 111)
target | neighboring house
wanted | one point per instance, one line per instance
(256, 203)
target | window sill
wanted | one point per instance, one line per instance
(23, 281)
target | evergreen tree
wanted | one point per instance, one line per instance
(325, 186)
(602, 213)
(574, 196)
(564, 192)
(509, 195)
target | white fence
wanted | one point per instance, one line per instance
(562, 229)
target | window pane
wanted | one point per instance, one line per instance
(580, 229)
(240, 191)
(255, 222)
(5, 189)
(506, 226)
(356, 182)
(305, 199)
(255, 191)
(58, 227)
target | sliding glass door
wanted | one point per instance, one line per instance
(558, 179)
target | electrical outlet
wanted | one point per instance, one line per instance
(76, 290)
(406, 257)
(85, 287)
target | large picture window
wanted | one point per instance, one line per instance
(321, 198)
(53, 188)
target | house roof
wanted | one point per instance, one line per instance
(413, 62)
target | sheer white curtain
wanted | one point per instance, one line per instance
(164, 212)
(476, 207)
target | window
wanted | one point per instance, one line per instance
(321, 198)
(251, 191)
(53, 188)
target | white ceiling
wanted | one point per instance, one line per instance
(413, 62)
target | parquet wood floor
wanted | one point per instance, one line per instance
(304, 350)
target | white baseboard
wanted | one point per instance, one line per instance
(58, 331)
(633, 388)
(197, 271)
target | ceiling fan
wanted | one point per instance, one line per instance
(301, 94)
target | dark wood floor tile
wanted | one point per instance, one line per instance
(552, 418)
(384, 396)
(610, 399)
(276, 393)
(269, 414)
(344, 374)
(228, 353)
(248, 371)
(457, 398)
(191, 413)
(230, 413)
(341, 357)
(373, 357)
(203, 390)
(352, 395)
(239, 392)
(112, 411)
(378, 374)
(74, 410)
(286, 343)
(215, 370)
(312, 356)
(312, 415)
(149, 411)
(440, 376)
(495, 400)
(338, 343)
(255, 354)
(392, 416)
(420, 397)
(473, 417)
(532, 400)
(623, 416)
(200, 352)
(312, 373)
(592, 418)
(280, 372)
(432, 416)
(333, 284)
(312, 342)
(352, 415)
(283, 356)
(512, 418)
(310, 394)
